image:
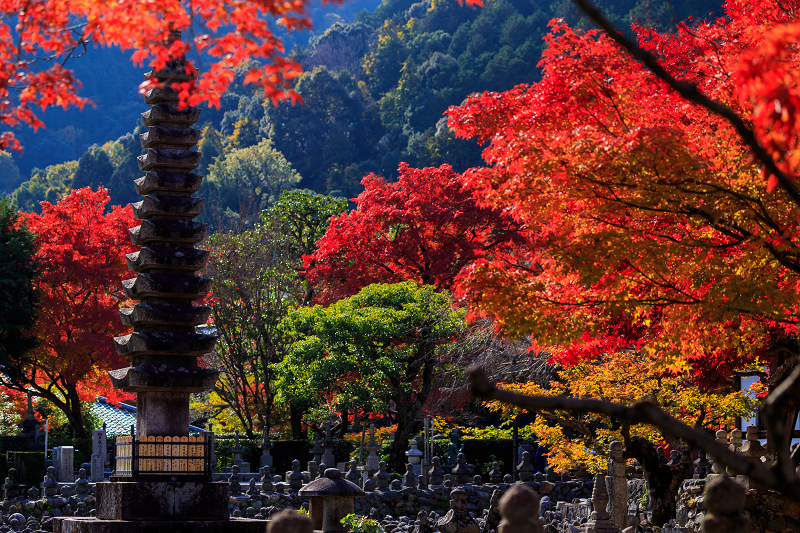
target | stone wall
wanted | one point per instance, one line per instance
(409, 501)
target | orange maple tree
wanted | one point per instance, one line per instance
(646, 209)
(80, 250)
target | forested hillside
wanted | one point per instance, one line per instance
(374, 92)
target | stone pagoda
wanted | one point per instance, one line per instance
(162, 480)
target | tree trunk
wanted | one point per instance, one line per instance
(295, 421)
(74, 414)
(407, 414)
(662, 480)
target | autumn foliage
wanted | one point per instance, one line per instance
(80, 249)
(648, 217)
(425, 227)
(37, 37)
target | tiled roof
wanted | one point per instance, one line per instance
(119, 418)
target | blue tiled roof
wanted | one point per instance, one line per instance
(119, 418)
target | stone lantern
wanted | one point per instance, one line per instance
(331, 498)
(415, 458)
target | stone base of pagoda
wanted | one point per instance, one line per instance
(94, 525)
(162, 500)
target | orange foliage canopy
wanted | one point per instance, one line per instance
(651, 225)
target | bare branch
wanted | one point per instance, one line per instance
(778, 478)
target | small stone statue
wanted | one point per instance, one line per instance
(251, 488)
(82, 484)
(296, 477)
(525, 467)
(461, 470)
(410, 479)
(515, 508)
(11, 488)
(724, 499)
(234, 481)
(436, 473)
(266, 480)
(458, 519)
(422, 525)
(353, 475)
(701, 465)
(382, 476)
(50, 484)
(495, 475)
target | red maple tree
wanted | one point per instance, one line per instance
(424, 227)
(80, 249)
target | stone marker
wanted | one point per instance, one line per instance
(266, 446)
(98, 460)
(415, 458)
(722, 440)
(327, 456)
(617, 485)
(372, 447)
(599, 520)
(63, 460)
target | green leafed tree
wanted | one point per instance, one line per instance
(94, 168)
(375, 352)
(257, 280)
(18, 297)
(9, 173)
(246, 181)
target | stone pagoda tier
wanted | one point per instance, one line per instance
(162, 479)
(165, 344)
